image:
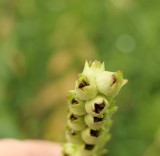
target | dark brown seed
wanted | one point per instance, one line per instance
(94, 133)
(89, 147)
(99, 107)
(73, 132)
(74, 101)
(96, 119)
(72, 117)
(83, 84)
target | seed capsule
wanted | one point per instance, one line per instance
(109, 83)
(73, 136)
(97, 106)
(85, 87)
(90, 136)
(94, 122)
(76, 122)
(76, 105)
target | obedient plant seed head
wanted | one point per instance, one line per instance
(90, 136)
(91, 106)
(76, 105)
(109, 83)
(76, 123)
(94, 123)
(97, 106)
(85, 87)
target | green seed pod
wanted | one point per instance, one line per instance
(85, 87)
(73, 136)
(76, 123)
(97, 106)
(90, 136)
(76, 105)
(94, 123)
(109, 83)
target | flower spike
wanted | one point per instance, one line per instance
(91, 106)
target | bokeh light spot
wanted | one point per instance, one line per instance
(126, 43)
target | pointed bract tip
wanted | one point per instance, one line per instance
(86, 67)
(96, 64)
(103, 66)
(125, 81)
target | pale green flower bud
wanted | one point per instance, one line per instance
(76, 123)
(73, 136)
(97, 106)
(85, 87)
(109, 83)
(90, 136)
(94, 122)
(93, 68)
(76, 105)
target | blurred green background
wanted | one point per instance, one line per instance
(43, 46)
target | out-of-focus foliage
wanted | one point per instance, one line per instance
(154, 149)
(43, 45)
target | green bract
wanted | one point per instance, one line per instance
(91, 107)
